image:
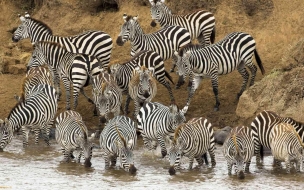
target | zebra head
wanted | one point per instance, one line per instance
(176, 151)
(183, 67)
(177, 116)
(158, 9)
(125, 153)
(239, 154)
(6, 133)
(127, 30)
(102, 100)
(38, 56)
(22, 31)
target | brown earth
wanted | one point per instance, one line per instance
(276, 25)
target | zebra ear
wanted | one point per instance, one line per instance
(27, 15)
(162, 1)
(125, 17)
(130, 143)
(173, 108)
(135, 17)
(187, 54)
(22, 18)
(152, 2)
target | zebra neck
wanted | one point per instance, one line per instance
(18, 119)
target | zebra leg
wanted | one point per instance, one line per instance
(253, 70)
(167, 85)
(136, 107)
(162, 144)
(287, 163)
(195, 83)
(205, 158)
(37, 132)
(247, 166)
(66, 154)
(79, 156)
(199, 160)
(66, 83)
(46, 132)
(107, 161)
(242, 70)
(25, 131)
(214, 81)
(174, 57)
(113, 161)
(191, 159)
(212, 156)
(57, 83)
(229, 166)
(126, 108)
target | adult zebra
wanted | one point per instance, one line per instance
(164, 42)
(238, 149)
(37, 111)
(142, 87)
(155, 122)
(200, 24)
(96, 43)
(286, 145)
(118, 139)
(71, 133)
(75, 69)
(122, 72)
(192, 139)
(235, 51)
(107, 95)
(262, 125)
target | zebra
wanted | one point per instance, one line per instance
(238, 149)
(286, 145)
(235, 51)
(35, 76)
(107, 95)
(122, 72)
(95, 43)
(37, 110)
(72, 134)
(262, 125)
(142, 87)
(156, 121)
(75, 69)
(118, 139)
(164, 42)
(192, 139)
(200, 24)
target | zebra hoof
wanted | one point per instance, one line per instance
(1, 149)
(216, 109)
(171, 70)
(172, 170)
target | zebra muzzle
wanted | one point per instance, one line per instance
(153, 23)
(119, 41)
(15, 39)
(132, 169)
(172, 171)
(146, 94)
(102, 119)
(241, 175)
(1, 149)
(87, 163)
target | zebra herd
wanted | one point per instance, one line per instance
(84, 59)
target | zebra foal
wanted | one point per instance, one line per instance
(117, 140)
(235, 51)
(36, 111)
(72, 134)
(156, 121)
(238, 149)
(200, 24)
(192, 139)
(142, 87)
(286, 145)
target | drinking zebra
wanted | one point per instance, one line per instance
(238, 149)
(262, 125)
(72, 134)
(35, 76)
(106, 95)
(118, 139)
(155, 122)
(75, 69)
(286, 145)
(36, 111)
(200, 24)
(164, 42)
(151, 60)
(235, 51)
(96, 43)
(192, 139)
(142, 87)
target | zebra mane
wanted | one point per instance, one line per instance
(16, 105)
(121, 137)
(177, 132)
(187, 47)
(293, 130)
(82, 128)
(129, 17)
(24, 80)
(235, 143)
(42, 24)
(51, 44)
(103, 87)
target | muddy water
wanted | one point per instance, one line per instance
(40, 167)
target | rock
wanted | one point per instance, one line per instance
(221, 134)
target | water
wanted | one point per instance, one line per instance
(40, 167)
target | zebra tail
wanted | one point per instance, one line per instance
(212, 37)
(258, 60)
(262, 152)
(169, 76)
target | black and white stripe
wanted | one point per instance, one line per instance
(151, 60)
(235, 51)
(238, 149)
(37, 112)
(157, 121)
(262, 125)
(96, 43)
(75, 69)
(286, 145)
(200, 24)
(118, 140)
(192, 139)
(107, 95)
(164, 42)
(72, 134)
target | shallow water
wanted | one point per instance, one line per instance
(40, 167)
